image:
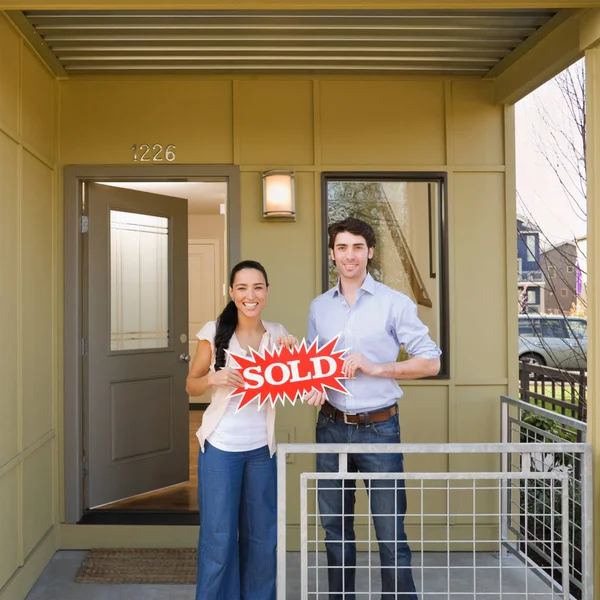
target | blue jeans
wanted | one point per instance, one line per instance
(238, 525)
(394, 552)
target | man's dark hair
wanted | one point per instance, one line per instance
(353, 226)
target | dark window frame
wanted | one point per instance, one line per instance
(439, 177)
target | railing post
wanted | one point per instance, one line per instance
(523, 381)
(587, 530)
(582, 404)
(304, 538)
(564, 532)
(504, 434)
(281, 523)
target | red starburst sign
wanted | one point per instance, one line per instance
(289, 373)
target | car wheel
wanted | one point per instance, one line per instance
(532, 359)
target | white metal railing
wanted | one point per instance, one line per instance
(522, 422)
(464, 511)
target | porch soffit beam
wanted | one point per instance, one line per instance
(34, 38)
(293, 4)
(553, 53)
(589, 31)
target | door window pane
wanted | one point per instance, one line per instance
(139, 253)
(408, 219)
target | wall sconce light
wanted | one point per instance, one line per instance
(278, 195)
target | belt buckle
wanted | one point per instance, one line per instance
(346, 419)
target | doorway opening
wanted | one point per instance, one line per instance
(134, 433)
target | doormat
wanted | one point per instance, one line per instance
(138, 565)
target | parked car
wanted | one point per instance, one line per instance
(553, 340)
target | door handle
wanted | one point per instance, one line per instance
(184, 358)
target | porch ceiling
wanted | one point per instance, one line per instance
(435, 42)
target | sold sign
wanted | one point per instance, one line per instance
(289, 373)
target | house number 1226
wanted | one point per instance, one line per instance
(154, 153)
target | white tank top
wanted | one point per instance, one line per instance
(247, 429)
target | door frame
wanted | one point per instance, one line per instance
(73, 327)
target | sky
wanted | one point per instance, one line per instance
(540, 194)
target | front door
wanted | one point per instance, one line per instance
(136, 436)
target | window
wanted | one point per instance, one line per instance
(532, 296)
(408, 214)
(139, 267)
(525, 328)
(530, 243)
(529, 326)
(564, 292)
(552, 271)
(554, 328)
(578, 328)
(570, 269)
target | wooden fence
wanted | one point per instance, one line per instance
(564, 392)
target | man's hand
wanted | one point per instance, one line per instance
(315, 398)
(357, 361)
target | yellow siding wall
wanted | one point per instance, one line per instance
(28, 314)
(315, 125)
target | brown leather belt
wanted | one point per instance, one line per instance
(361, 418)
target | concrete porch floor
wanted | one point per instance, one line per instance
(483, 579)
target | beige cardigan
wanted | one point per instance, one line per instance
(219, 400)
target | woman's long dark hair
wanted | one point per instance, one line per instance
(228, 319)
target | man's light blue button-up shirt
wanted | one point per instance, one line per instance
(380, 321)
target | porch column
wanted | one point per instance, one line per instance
(590, 44)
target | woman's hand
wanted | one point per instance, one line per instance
(226, 377)
(288, 341)
(315, 398)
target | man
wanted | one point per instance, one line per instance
(375, 321)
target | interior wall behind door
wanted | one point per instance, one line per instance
(207, 227)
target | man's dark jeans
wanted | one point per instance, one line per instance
(394, 551)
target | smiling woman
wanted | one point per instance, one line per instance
(236, 466)
(408, 214)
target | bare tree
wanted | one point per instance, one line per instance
(561, 141)
(562, 138)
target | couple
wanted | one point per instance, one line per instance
(236, 465)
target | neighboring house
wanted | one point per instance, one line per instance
(559, 266)
(531, 278)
